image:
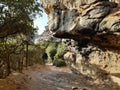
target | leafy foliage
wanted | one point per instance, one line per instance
(60, 51)
(17, 16)
(16, 30)
(59, 63)
(13, 53)
(58, 58)
(55, 52)
(51, 51)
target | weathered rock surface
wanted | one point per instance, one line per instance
(46, 36)
(94, 27)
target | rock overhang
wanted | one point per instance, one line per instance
(85, 19)
(97, 10)
(95, 25)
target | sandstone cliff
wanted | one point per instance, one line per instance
(93, 27)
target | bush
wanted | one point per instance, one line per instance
(60, 51)
(55, 52)
(59, 63)
(35, 54)
(44, 44)
(58, 58)
(51, 51)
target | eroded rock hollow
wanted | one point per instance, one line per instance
(93, 30)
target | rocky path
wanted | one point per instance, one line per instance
(47, 77)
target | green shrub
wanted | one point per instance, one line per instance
(51, 51)
(60, 51)
(55, 52)
(59, 63)
(58, 58)
(35, 54)
(44, 44)
(15, 54)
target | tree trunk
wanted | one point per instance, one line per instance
(8, 65)
(26, 55)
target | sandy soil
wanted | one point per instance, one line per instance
(39, 77)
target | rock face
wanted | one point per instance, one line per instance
(46, 36)
(93, 30)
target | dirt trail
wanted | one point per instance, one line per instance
(41, 77)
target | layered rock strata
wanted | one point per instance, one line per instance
(93, 30)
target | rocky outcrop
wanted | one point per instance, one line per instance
(46, 36)
(93, 27)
